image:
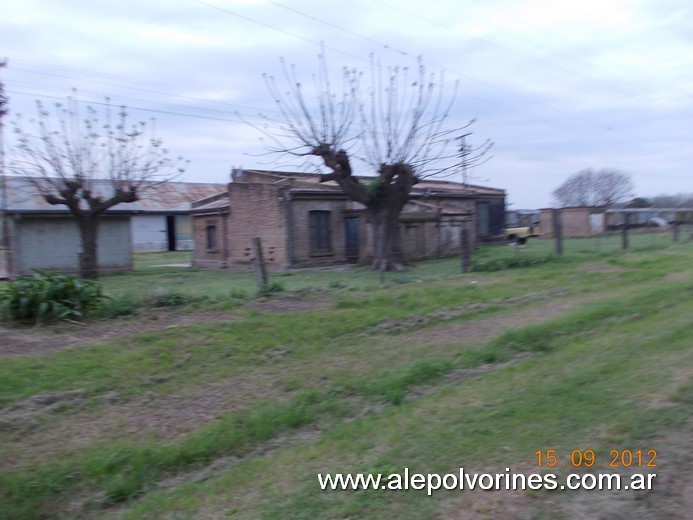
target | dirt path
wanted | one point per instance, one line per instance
(165, 417)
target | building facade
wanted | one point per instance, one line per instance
(576, 222)
(304, 223)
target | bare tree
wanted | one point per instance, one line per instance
(90, 165)
(679, 200)
(588, 187)
(394, 127)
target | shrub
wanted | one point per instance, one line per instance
(272, 287)
(238, 294)
(114, 308)
(501, 264)
(174, 299)
(48, 297)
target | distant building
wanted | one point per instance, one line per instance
(43, 236)
(303, 222)
(521, 217)
(576, 222)
(589, 221)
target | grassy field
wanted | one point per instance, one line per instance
(153, 281)
(228, 406)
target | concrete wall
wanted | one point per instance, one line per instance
(54, 243)
(150, 233)
(4, 263)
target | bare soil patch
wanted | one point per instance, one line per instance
(536, 310)
(289, 302)
(600, 267)
(33, 341)
(165, 417)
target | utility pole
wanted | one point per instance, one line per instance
(471, 156)
(5, 257)
(464, 153)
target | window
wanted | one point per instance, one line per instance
(319, 222)
(211, 237)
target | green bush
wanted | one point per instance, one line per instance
(47, 296)
(114, 308)
(501, 264)
(272, 287)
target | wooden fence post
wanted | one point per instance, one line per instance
(558, 231)
(465, 248)
(260, 269)
(677, 227)
(624, 232)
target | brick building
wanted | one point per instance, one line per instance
(304, 223)
(576, 222)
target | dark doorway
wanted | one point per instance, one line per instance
(351, 234)
(171, 232)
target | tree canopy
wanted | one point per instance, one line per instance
(394, 127)
(601, 188)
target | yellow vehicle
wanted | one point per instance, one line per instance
(519, 235)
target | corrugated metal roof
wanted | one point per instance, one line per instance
(169, 197)
(213, 205)
(313, 180)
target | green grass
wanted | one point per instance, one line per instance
(149, 283)
(586, 392)
(347, 395)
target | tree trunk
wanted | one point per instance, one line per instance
(384, 199)
(387, 250)
(88, 230)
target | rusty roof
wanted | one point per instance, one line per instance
(312, 181)
(168, 197)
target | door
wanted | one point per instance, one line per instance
(351, 234)
(171, 232)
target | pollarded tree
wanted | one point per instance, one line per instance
(396, 127)
(90, 165)
(602, 188)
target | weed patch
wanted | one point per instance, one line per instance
(272, 287)
(512, 262)
(48, 296)
(392, 385)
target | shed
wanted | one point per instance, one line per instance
(43, 236)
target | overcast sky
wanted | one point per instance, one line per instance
(558, 85)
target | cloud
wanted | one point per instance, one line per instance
(558, 86)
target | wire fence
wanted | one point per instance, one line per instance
(608, 243)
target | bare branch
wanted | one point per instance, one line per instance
(602, 188)
(89, 163)
(402, 135)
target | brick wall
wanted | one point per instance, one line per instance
(282, 221)
(257, 210)
(575, 222)
(204, 256)
(303, 256)
(432, 238)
